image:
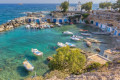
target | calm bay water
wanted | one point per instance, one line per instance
(15, 45)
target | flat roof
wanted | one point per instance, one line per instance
(98, 58)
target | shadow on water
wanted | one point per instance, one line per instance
(48, 71)
(46, 62)
(22, 71)
(31, 58)
(53, 48)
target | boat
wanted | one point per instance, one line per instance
(80, 37)
(20, 3)
(61, 44)
(101, 33)
(28, 65)
(70, 44)
(51, 26)
(93, 40)
(75, 39)
(27, 26)
(82, 30)
(67, 33)
(86, 34)
(37, 52)
(58, 24)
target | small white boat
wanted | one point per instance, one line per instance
(75, 39)
(67, 33)
(27, 26)
(37, 52)
(80, 37)
(28, 65)
(70, 44)
(61, 44)
(86, 34)
(58, 24)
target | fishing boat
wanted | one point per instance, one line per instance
(70, 44)
(82, 30)
(101, 33)
(80, 37)
(75, 39)
(37, 52)
(28, 65)
(61, 44)
(67, 33)
(27, 26)
(85, 34)
(58, 24)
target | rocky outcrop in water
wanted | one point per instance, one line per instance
(13, 24)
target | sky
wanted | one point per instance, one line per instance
(52, 1)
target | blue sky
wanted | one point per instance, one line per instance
(51, 1)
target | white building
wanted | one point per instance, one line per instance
(71, 8)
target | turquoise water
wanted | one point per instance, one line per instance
(15, 47)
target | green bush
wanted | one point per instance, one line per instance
(85, 15)
(118, 61)
(69, 60)
(86, 21)
(94, 65)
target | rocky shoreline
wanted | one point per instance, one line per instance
(13, 24)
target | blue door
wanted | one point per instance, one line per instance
(37, 21)
(119, 34)
(60, 20)
(65, 20)
(54, 20)
(115, 33)
(29, 20)
(96, 23)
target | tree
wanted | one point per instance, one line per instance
(87, 6)
(64, 6)
(105, 5)
(116, 5)
(69, 60)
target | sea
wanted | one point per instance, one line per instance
(16, 44)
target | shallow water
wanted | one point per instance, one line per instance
(15, 47)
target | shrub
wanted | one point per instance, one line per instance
(94, 65)
(85, 15)
(118, 61)
(69, 60)
(86, 21)
(56, 73)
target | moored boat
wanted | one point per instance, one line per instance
(61, 44)
(70, 44)
(37, 52)
(28, 65)
(75, 39)
(80, 37)
(101, 33)
(82, 30)
(85, 34)
(28, 26)
(67, 33)
(59, 25)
